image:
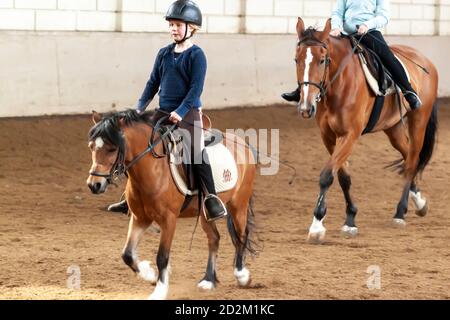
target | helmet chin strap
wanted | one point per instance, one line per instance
(185, 36)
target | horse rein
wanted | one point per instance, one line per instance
(119, 167)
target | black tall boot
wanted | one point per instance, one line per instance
(215, 208)
(121, 206)
(412, 98)
(292, 96)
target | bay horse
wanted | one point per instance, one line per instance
(342, 109)
(118, 141)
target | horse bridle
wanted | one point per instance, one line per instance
(119, 167)
(322, 87)
(308, 42)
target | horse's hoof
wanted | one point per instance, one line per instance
(242, 277)
(146, 272)
(349, 232)
(160, 292)
(423, 212)
(316, 237)
(398, 223)
(206, 285)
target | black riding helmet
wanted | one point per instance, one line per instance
(187, 11)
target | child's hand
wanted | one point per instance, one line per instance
(174, 117)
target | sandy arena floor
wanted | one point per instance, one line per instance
(49, 221)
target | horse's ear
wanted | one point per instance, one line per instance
(327, 28)
(96, 117)
(300, 27)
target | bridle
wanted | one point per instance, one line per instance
(119, 167)
(311, 42)
(323, 88)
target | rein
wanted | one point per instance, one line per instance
(119, 168)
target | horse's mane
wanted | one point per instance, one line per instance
(108, 128)
(308, 36)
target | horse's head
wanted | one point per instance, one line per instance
(107, 145)
(312, 59)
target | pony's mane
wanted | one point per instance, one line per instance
(108, 128)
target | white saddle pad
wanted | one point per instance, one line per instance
(373, 83)
(223, 166)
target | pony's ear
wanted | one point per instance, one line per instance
(96, 117)
(121, 122)
(327, 28)
(300, 27)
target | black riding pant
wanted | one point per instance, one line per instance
(192, 125)
(375, 41)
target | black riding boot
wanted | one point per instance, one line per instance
(412, 98)
(121, 206)
(292, 96)
(215, 208)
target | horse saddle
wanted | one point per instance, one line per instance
(223, 164)
(377, 76)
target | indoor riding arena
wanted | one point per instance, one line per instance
(61, 59)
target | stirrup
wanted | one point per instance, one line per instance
(224, 214)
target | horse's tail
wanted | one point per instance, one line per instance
(427, 147)
(249, 242)
(429, 140)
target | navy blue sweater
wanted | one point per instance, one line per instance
(179, 81)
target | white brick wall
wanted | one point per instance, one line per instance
(408, 17)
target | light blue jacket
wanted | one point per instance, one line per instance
(347, 14)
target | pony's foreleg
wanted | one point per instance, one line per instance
(210, 279)
(342, 151)
(136, 230)
(349, 228)
(162, 259)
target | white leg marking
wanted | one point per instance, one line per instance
(161, 289)
(417, 199)
(308, 60)
(349, 231)
(146, 272)
(99, 143)
(243, 276)
(316, 231)
(205, 285)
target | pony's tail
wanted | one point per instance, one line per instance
(429, 140)
(250, 244)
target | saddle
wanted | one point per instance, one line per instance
(223, 165)
(378, 78)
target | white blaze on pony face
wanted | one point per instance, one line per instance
(308, 60)
(99, 143)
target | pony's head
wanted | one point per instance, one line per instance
(312, 59)
(107, 145)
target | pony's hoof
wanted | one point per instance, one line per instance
(316, 237)
(206, 285)
(349, 232)
(242, 277)
(398, 223)
(160, 292)
(146, 272)
(423, 212)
